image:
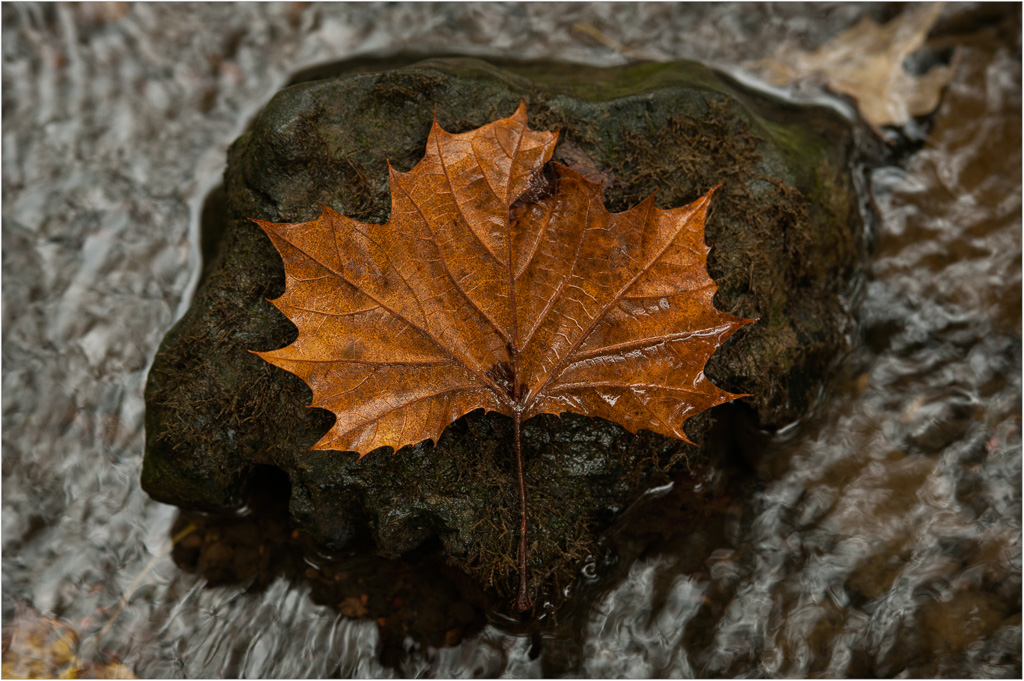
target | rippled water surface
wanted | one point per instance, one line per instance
(881, 536)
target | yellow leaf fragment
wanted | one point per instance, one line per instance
(866, 63)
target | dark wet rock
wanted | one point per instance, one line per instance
(787, 239)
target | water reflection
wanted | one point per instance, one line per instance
(417, 601)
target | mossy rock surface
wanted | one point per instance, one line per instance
(786, 235)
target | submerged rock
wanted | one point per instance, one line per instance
(786, 235)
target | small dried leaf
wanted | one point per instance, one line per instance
(866, 63)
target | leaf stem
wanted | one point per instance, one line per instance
(525, 601)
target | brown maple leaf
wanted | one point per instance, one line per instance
(492, 288)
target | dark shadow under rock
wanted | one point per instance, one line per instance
(787, 241)
(418, 597)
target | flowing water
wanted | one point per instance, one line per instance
(880, 536)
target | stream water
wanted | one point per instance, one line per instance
(880, 536)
